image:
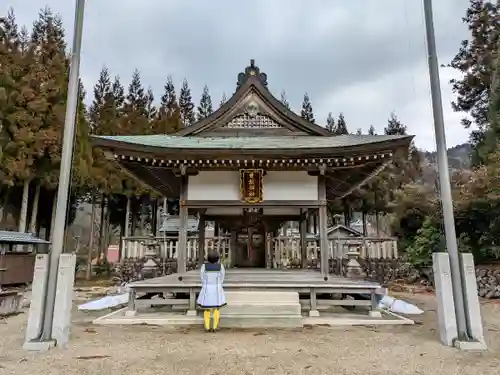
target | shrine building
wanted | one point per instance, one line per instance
(251, 166)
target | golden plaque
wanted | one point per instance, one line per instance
(251, 183)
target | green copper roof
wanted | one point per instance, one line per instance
(251, 143)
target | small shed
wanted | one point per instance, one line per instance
(171, 224)
(16, 267)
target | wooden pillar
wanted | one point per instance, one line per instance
(250, 247)
(267, 244)
(201, 239)
(232, 247)
(303, 240)
(154, 219)
(323, 222)
(183, 216)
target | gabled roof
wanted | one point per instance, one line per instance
(344, 228)
(160, 142)
(254, 83)
(19, 238)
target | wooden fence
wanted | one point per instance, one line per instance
(286, 249)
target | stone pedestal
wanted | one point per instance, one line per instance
(38, 290)
(354, 270)
(61, 325)
(473, 310)
(447, 320)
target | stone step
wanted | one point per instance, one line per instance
(261, 309)
(261, 298)
(261, 321)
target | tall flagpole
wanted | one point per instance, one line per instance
(444, 177)
(65, 171)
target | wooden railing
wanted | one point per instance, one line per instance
(136, 247)
(286, 249)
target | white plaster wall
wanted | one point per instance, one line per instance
(214, 186)
(278, 211)
(278, 186)
(290, 185)
(224, 211)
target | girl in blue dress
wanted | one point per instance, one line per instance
(212, 297)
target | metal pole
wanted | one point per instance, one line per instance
(65, 171)
(444, 177)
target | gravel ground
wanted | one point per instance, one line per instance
(145, 350)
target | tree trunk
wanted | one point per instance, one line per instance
(107, 234)
(34, 214)
(101, 227)
(91, 239)
(23, 217)
(5, 209)
(53, 214)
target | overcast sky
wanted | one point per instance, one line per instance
(364, 58)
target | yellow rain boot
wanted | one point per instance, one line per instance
(216, 319)
(206, 318)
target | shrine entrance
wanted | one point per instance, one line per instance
(250, 247)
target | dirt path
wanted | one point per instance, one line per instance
(154, 350)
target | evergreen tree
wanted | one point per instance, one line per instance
(307, 111)
(475, 61)
(372, 131)
(284, 100)
(105, 119)
(135, 119)
(168, 118)
(341, 127)
(150, 108)
(223, 99)
(48, 41)
(169, 103)
(102, 93)
(394, 126)
(186, 104)
(330, 123)
(205, 107)
(407, 166)
(118, 95)
(136, 97)
(492, 134)
(17, 95)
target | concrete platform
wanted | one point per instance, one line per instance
(242, 278)
(314, 291)
(177, 320)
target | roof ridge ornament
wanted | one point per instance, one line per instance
(251, 71)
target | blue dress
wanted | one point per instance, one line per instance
(212, 278)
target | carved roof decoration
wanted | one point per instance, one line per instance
(246, 121)
(252, 89)
(251, 71)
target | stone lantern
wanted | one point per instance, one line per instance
(354, 270)
(150, 267)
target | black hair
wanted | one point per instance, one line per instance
(213, 257)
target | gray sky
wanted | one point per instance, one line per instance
(364, 58)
